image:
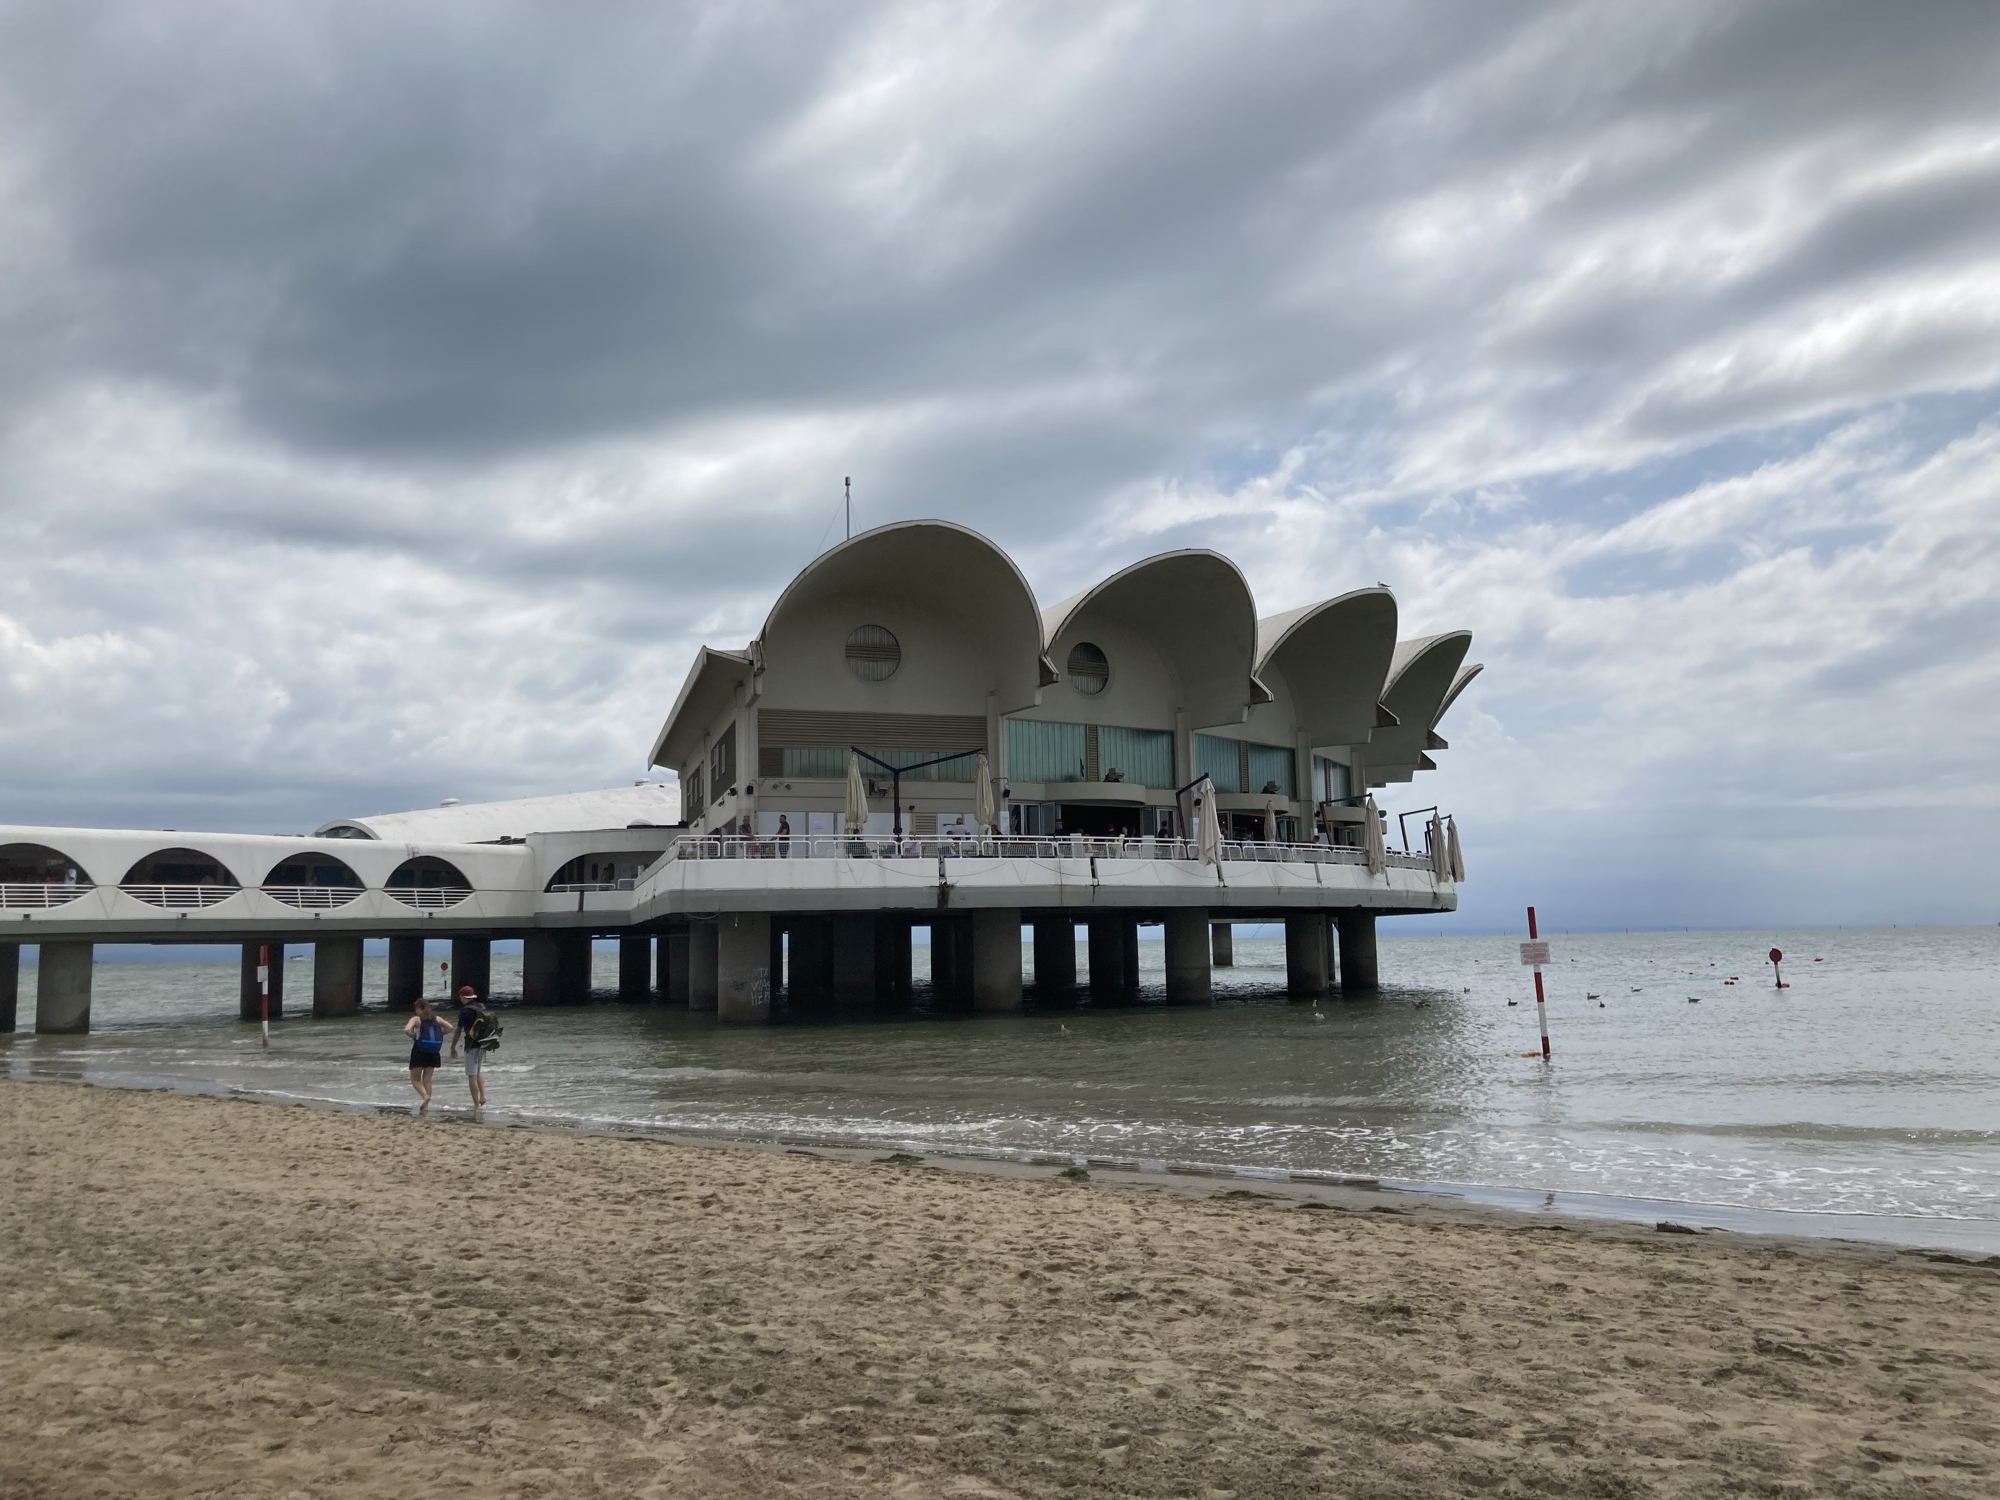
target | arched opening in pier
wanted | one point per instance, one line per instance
(427, 881)
(612, 870)
(312, 879)
(178, 878)
(36, 875)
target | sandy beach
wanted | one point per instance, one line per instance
(204, 1297)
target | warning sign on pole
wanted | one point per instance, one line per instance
(1534, 953)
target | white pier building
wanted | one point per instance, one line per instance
(909, 741)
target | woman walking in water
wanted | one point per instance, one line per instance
(426, 1034)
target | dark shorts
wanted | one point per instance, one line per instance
(425, 1057)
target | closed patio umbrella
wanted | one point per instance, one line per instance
(1207, 824)
(1377, 856)
(857, 797)
(983, 811)
(1440, 857)
(1456, 854)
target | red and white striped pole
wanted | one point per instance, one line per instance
(264, 990)
(1536, 952)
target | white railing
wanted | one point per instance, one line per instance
(834, 846)
(572, 887)
(430, 897)
(41, 897)
(313, 897)
(181, 897)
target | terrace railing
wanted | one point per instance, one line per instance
(841, 846)
(313, 897)
(181, 897)
(430, 897)
(41, 897)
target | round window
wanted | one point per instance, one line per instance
(873, 654)
(1088, 669)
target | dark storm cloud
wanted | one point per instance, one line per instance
(392, 395)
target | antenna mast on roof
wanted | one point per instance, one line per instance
(849, 483)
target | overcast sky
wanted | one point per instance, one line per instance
(392, 396)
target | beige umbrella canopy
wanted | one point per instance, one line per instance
(1377, 856)
(1440, 856)
(1207, 824)
(1456, 855)
(983, 811)
(857, 796)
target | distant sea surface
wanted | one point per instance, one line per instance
(1862, 1101)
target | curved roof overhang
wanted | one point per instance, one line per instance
(1335, 656)
(951, 569)
(1196, 606)
(710, 688)
(1422, 678)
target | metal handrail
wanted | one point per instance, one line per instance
(181, 897)
(572, 887)
(41, 897)
(430, 897)
(314, 897)
(1010, 846)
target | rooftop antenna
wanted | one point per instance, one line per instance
(849, 483)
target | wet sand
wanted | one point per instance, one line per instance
(205, 1297)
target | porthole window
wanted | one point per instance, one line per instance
(1088, 670)
(873, 653)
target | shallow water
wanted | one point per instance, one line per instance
(1867, 1095)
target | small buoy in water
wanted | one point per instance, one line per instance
(1819, 960)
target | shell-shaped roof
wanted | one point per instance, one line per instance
(1421, 680)
(1196, 607)
(1335, 656)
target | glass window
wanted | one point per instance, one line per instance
(814, 760)
(1144, 757)
(1216, 758)
(1271, 769)
(873, 653)
(1089, 672)
(1332, 779)
(1044, 752)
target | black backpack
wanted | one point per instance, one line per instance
(484, 1033)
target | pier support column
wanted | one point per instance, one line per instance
(337, 977)
(541, 969)
(892, 959)
(248, 1004)
(674, 966)
(573, 964)
(1107, 957)
(777, 968)
(471, 963)
(853, 957)
(1358, 970)
(809, 960)
(1128, 944)
(996, 959)
(406, 973)
(10, 985)
(701, 964)
(62, 988)
(743, 972)
(951, 958)
(1305, 955)
(1188, 978)
(1055, 955)
(635, 970)
(1223, 942)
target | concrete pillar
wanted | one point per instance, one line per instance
(996, 959)
(1358, 969)
(62, 988)
(406, 972)
(1328, 931)
(1188, 958)
(248, 1004)
(541, 969)
(674, 966)
(573, 967)
(337, 977)
(1107, 957)
(809, 960)
(702, 958)
(952, 958)
(777, 969)
(742, 968)
(471, 963)
(1305, 954)
(635, 970)
(10, 985)
(853, 957)
(1055, 955)
(892, 958)
(1223, 941)
(1128, 943)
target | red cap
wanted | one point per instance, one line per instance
(467, 992)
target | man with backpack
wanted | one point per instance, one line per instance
(479, 1034)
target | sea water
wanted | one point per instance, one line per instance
(1863, 1100)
